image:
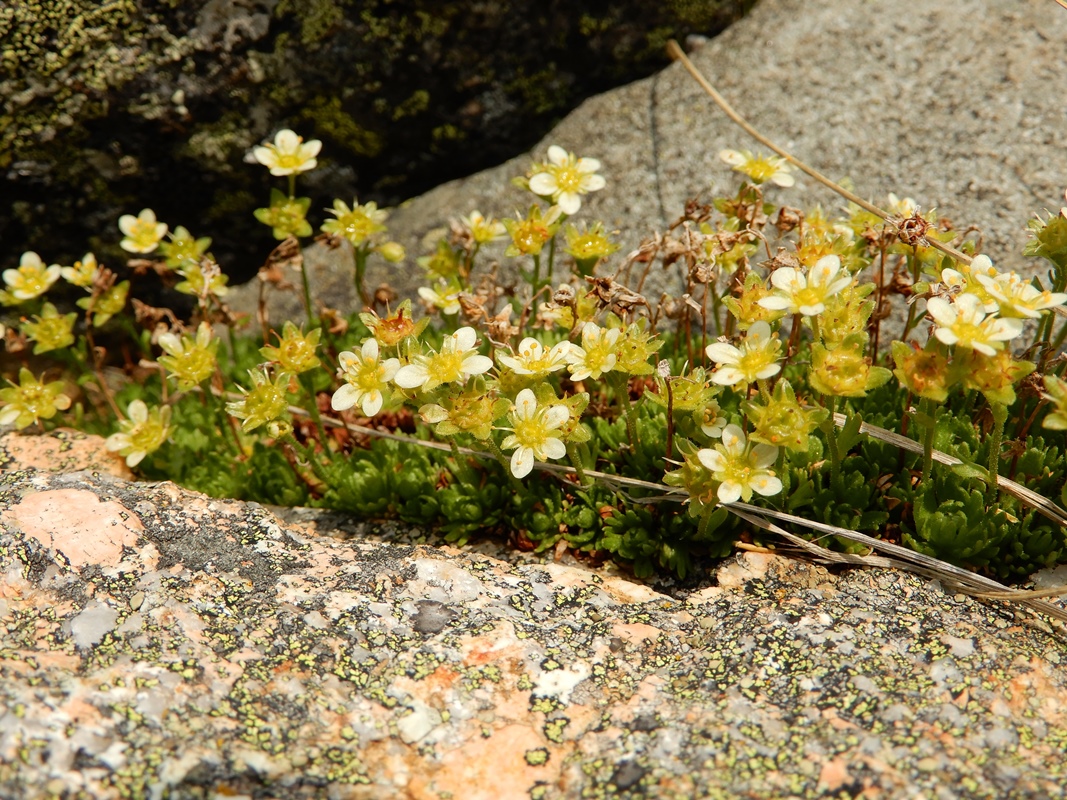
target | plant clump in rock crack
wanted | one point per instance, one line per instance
(564, 403)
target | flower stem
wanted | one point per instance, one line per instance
(536, 282)
(494, 448)
(361, 269)
(1000, 415)
(927, 409)
(830, 429)
(313, 407)
(621, 383)
(576, 462)
(307, 294)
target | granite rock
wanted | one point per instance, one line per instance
(956, 105)
(159, 643)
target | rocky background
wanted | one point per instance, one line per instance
(107, 107)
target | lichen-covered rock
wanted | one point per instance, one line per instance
(156, 643)
(107, 107)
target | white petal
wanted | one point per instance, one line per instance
(411, 376)
(522, 461)
(788, 279)
(775, 303)
(372, 403)
(465, 338)
(588, 165)
(824, 270)
(543, 184)
(557, 155)
(388, 369)
(569, 203)
(760, 331)
(733, 438)
(769, 371)
(135, 458)
(767, 485)
(286, 140)
(729, 492)
(783, 179)
(553, 448)
(812, 310)
(712, 459)
(734, 158)
(345, 397)
(370, 350)
(722, 353)
(346, 359)
(941, 311)
(526, 399)
(311, 149)
(946, 336)
(727, 376)
(593, 183)
(556, 416)
(31, 259)
(138, 411)
(476, 365)
(763, 455)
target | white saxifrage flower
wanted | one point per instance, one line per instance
(446, 301)
(32, 278)
(1017, 297)
(759, 168)
(565, 178)
(964, 323)
(366, 379)
(144, 432)
(455, 363)
(740, 468)
(289, 154)
(597, 353)
(532, 358)
(143, 233)
(755, 359)
(533, 433)
(798, 293)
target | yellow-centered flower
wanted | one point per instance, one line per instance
(295, 352)
(455, 363)
(798, 293)
(265, 403)
(755, 359)
(30, 400)
(964, 323)
(357, 224)
(533, 433)
(289, 154)
(51, 331)
(532, 358)
(740, 468)
(758, 168)
(144, 432)
(32, 278)
(366, 379)
(83, 273)
(565, 178)
(189, 360)
(143, 233)
(596, 355)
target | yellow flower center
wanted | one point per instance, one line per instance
(446, 367)
(568, 178)
(760, 170)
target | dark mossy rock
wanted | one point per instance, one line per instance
(109, 107)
